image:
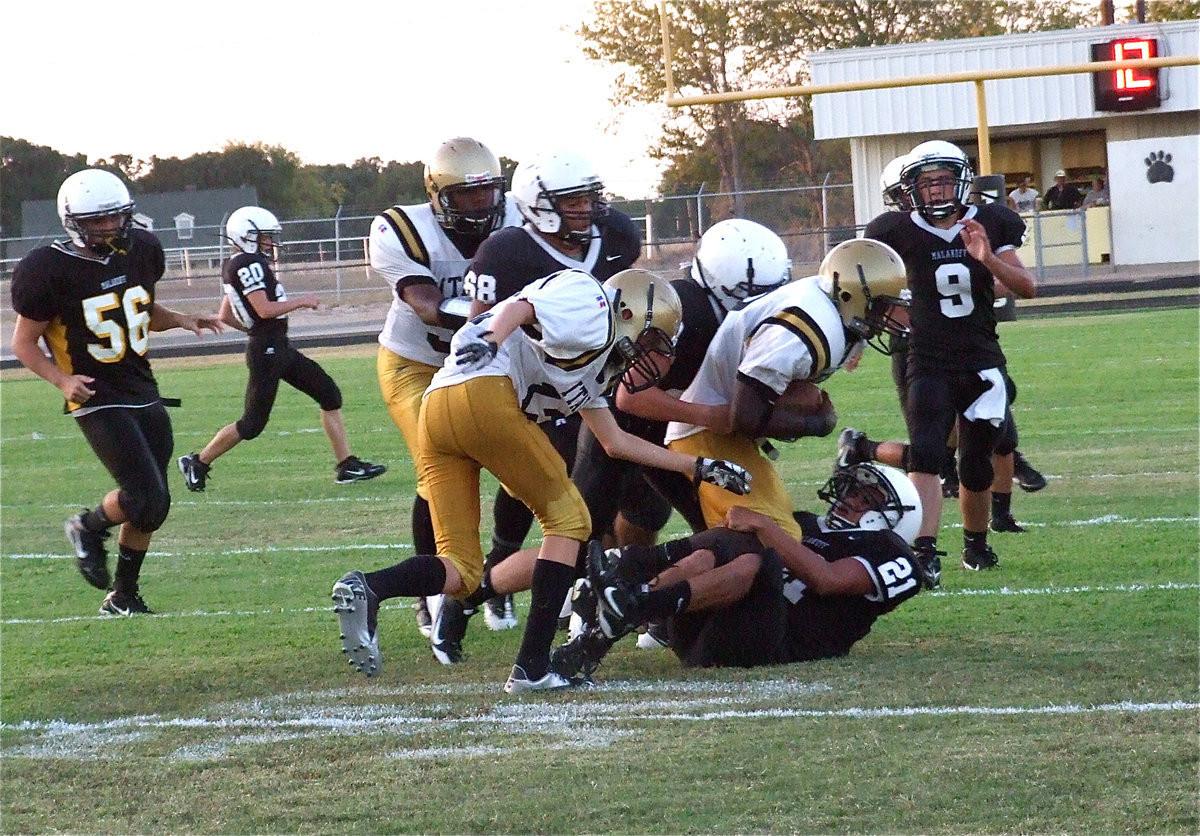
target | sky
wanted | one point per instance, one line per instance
(331, 83)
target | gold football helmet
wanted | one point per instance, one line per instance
(466, 187)
(648, 317)
(865, 279)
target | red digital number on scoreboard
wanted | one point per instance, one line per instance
(1126, 88)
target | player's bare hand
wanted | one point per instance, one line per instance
(741, 518)
(77, 388)
(309, 300)
(975, 239)
(199, 324)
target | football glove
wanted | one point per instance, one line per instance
(471, 347)
(732, 477)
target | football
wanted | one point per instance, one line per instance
(802, 396)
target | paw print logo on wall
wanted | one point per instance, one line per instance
(1158, 167)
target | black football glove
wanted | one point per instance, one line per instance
(471, 346)
(732, 477)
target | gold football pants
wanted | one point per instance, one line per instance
(768, 494)
(478, 424)
(402, 382)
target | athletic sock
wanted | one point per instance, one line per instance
(548, 590)
(129, 568)
(667, 601)
(416, 577)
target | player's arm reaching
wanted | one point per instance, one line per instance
(846, 576)
(619, 444)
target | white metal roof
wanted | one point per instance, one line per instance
(1011, 102)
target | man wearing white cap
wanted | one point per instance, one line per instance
(1062, 195)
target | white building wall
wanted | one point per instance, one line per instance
(1011, 102)
(1151, 222)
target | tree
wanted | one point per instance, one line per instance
(30, 172)
(723, 47)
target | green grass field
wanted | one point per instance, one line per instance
(1057, 694)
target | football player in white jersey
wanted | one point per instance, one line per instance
(567, 226)
(423, 252)
(557, 347)
(805, 330)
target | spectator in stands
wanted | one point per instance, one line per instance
(1062, 195)
(1023, 199)
(1098, 194)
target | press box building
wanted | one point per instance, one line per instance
(1150, 156)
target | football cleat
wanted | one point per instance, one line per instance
(979, 558)
(1006, 523)
(929, 566)
(424, 618)
(449, 628)
(520, 683)
(582, 654)
(498, 613)
(124, 605)
(195, 472)
(1025, 475)
(90, 557)
(354, 469)
(849, 447)
(601, 564)
(357, 608)
(655, 637)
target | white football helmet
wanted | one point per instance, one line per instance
(737, 259)
(245, 226)
(647, 319)
(95, 193)
(864, 278)
(459, 164)
(930, 156)
(891, 186)
(874, 497)
(539, 183)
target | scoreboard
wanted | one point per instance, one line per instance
(1125, 88)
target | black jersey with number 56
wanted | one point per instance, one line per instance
(99, 314)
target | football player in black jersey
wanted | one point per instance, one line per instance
(256, 302)
(954, 254)
(748, 593)
(92, 299)
(567, 225)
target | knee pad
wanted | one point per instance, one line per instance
(926, 458)
(1007, 442)
(975, 475)
(146, 509)
(330, 397)
(249, 428)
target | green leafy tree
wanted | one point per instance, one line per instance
(30, 172)
(721, 47)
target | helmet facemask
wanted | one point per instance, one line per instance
(85, 199)
(953, 171)
(458, 165)
(101, 242)
(254, 230)
(465, 219)
(594, 216)
(878, 320)
(860, 496)
(647, 319)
